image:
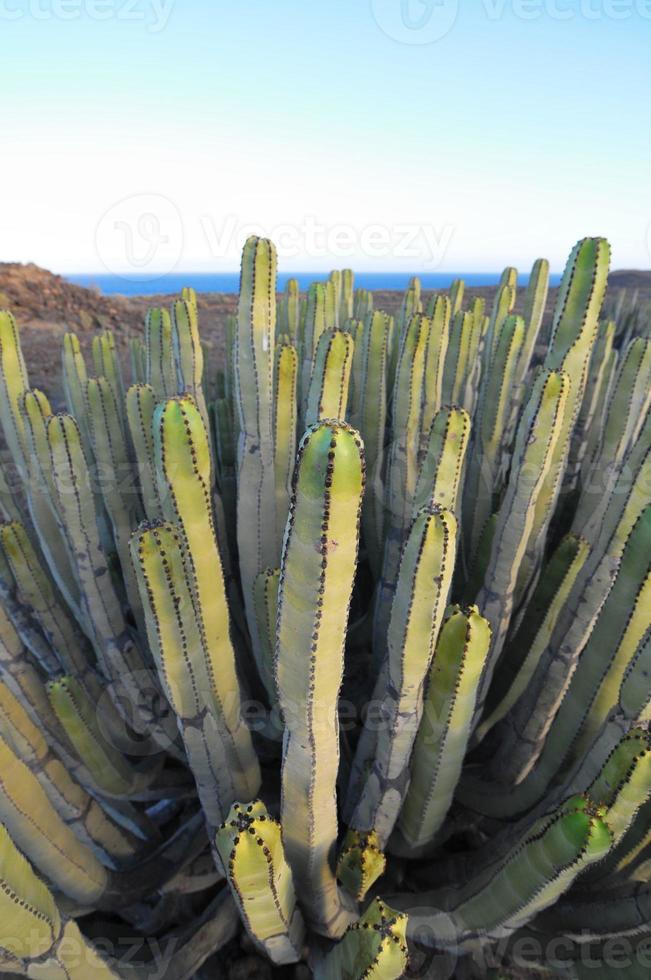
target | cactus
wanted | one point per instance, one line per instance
(336, 647)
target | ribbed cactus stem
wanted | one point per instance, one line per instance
(328, 392)
(417, 613)
(38, 939)
(315, 588)
(370, 417)
(446, 724)
(490, 429)
(250, 846)
(254, 370)
(574, 333)
(285, 423)
(201, 687)
(141, 405)
(161, 369)
(508, 889)
(402, 464)
(538, 434)
(439, 313)
(13, 384)
(376, 946)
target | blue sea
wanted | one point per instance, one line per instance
(229, 282)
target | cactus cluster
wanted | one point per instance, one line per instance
(336, 658)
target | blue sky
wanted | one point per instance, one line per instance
(151, 135)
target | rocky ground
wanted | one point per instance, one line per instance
(46, 306)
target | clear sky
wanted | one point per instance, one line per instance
(434, 135)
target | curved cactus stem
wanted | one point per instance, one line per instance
(626, 413)
(91, 739)
(36, 590)
(600, 914)
(585, 436)
(624, 784)
(116, 651)
(40, 832)
(328, 392)
(539, 738)
(530, 640)
(71, 801)
(316, 581)
(43, 506)
(197, 667)
(250, 847)
(534, 308)
(633, 697)
(538, 433)
(507, 893)
(445, 728)
(141, 405)
(184, 470)
(535, 300)
(116, 478)
(534, 712)
(574, 332)
(284, 431)
(423, 584)
(39, 941)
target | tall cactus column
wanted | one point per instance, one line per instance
(254, 370)
(317, 574)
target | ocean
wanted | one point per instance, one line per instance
(229, 282)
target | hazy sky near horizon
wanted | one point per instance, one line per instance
(141, 136)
